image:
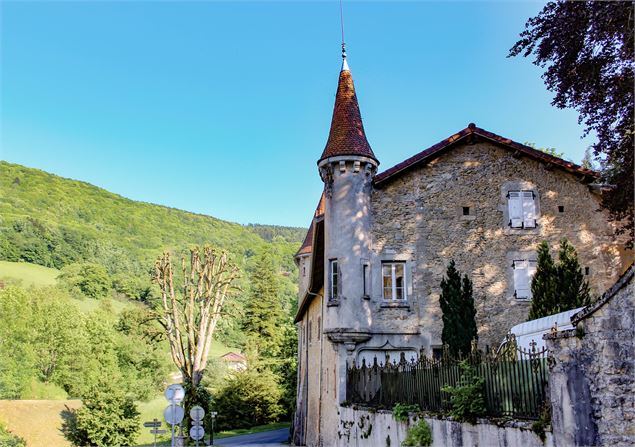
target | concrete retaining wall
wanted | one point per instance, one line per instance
(362, 428)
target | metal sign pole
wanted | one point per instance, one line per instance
(173, 411)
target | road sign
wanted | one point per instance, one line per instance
(173, 414)
(197, 413)
(174, 393)
(154, 423)
(197, 432)
(157, 431)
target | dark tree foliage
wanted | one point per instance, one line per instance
(573, 288)
(587, 48)
(457, 305)
(544, 287)
(558, 287)
(263, 312)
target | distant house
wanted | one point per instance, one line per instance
(235, 361)
(378, 245)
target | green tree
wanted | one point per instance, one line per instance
(558, 287)
(573, 288)
(586, 49)
(91, 279)
(17, 357)
(57, 333)
(457, 306)
(587, 161)
(248, 398)
(107, 417)
(263, 312)
(544, 285)
(547, 150)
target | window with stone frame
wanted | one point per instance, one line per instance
(524, 271)
(334, 279)
(522, 209)
(394, 281)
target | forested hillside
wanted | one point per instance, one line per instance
(57, 222)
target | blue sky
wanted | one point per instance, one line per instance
(223, 108)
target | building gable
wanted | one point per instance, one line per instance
(472, 134)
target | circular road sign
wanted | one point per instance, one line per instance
(173, 414)
(197, 432)
(197, 413)
(175, 393)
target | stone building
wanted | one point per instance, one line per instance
(379, 243)
(592, 372)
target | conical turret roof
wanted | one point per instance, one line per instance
(346, 136)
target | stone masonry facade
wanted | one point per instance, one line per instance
(592, 372)
(420, 216)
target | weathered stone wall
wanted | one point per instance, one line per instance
(592, 373)
(362, 428)
(318, 378)
(419, 218)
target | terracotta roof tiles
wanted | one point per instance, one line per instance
(471, 130)
(347, 136)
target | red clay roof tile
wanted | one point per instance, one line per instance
(346, 136)
(434, 151)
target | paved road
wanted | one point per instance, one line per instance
(265, 438)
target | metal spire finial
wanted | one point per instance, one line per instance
(344, 63)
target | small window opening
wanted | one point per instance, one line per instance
(560, 208)
(466, 210)
(365, 278)
(587, 270)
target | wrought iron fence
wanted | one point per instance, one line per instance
(515, 381)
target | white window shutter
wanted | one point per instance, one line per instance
(521, 283)
(529, 209)
(515, 209)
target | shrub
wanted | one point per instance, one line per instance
(247, 399)
(418, 435)
(106, 418)
(468, 398)
(401, 411)
(8, 439)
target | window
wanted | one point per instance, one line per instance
(318, 333)
(522, 209)
(523, 273)
(334, 279)
(303, 267)
(394, 278)
(587, 270)
(366, 279)
(466, 210)
(560, 208)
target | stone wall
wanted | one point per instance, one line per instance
(592, 372)
(419, 218)
(362, 428)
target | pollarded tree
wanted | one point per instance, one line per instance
(544, 287)
(457, 306)
(189, 315)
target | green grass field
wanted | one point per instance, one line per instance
(28, 274)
